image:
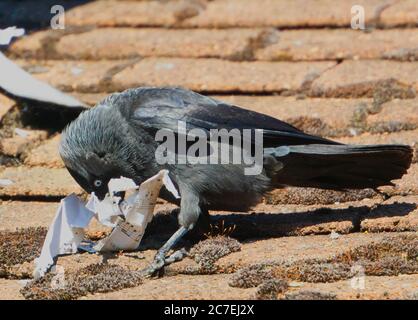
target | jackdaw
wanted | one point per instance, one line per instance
(117, 138)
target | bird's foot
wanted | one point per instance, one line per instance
(160, 261)
(176, 256)
(156, 265)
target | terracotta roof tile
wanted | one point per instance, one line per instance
(133, 13)
(219, 75)
(19, 144)
(408, 185)
(326, 117)
(300, 247)
(223, 13)
(25, 214)
(67, 75)
(332, 44)
(377, 288)
(282, 13)
(307, 66)
(33, 45)
(311, 196)
(400, 216)
(401, 112)
(203, 286)
(235, 44)
(46, 155)
(119, 43)
(401, 13)
(38, 181)
(359, 78)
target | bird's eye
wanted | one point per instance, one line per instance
(97, 183)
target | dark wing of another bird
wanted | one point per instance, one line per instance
(158, 108)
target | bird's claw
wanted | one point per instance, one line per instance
(157, 265)
(160, 261)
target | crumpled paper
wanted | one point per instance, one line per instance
(6, 35)
(65, 232)
(19, 83)
(129, 219)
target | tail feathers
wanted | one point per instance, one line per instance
(340, 166)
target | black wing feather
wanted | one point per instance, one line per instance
(158, 108)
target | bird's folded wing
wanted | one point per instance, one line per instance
(163, 108)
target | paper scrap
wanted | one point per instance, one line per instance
(16, 81)
(6, 35)
(121, 184)
(128, 217)
(65, 233)
(170, 185)
(107, 210)
(138, 211)
(124, 236)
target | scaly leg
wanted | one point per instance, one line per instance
(160, 258)
(189, 214)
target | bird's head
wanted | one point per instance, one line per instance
(95, 148)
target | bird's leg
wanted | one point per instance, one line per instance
(160, 258)
(189, 214)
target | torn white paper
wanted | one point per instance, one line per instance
(129, 219)
(18, 82)
(6, 35)
(124, 236)
(65, 233)
(107, 210)
(170, 185)
(121, 184)
(138, 211)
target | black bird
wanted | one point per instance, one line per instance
(117, 138)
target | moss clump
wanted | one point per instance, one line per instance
(314, 270)
(91, 279)
(310, 125)
(22, 245)
(315, 196)
(269, 289)
(403, 54)
(251, 276)
(208, 251)
(412, 296)
(358, 120)
(391, 126)
(393, 255)
(389, 89)
(310, 295)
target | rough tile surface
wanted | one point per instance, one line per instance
(298, 61)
